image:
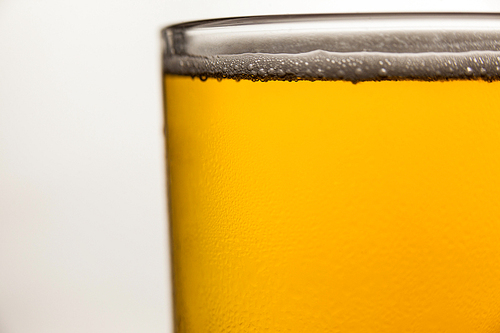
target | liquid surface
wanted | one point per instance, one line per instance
(329, 206)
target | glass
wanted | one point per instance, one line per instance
(335, 173)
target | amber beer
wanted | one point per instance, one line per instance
(361, 201)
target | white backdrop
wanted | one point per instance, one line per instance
(82, 187)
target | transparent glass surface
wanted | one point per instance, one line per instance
(334, 173)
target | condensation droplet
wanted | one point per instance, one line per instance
(469, 71)
(382, 72)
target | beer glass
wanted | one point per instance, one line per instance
(335, 173)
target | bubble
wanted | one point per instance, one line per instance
(341, 73)
(262, 72)
(358, 71)
(382, 72)
(271, 71)
(381, 63)
(469, 71)
(483, 71)
(250, 66)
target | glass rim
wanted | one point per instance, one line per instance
(260, 19)
(228, 47)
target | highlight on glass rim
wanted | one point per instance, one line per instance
(335, 173)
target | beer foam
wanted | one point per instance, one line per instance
(347, 66)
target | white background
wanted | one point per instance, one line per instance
(83, 237)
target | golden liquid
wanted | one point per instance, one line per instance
(335, 207)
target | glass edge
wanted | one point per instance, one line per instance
(267, 19)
